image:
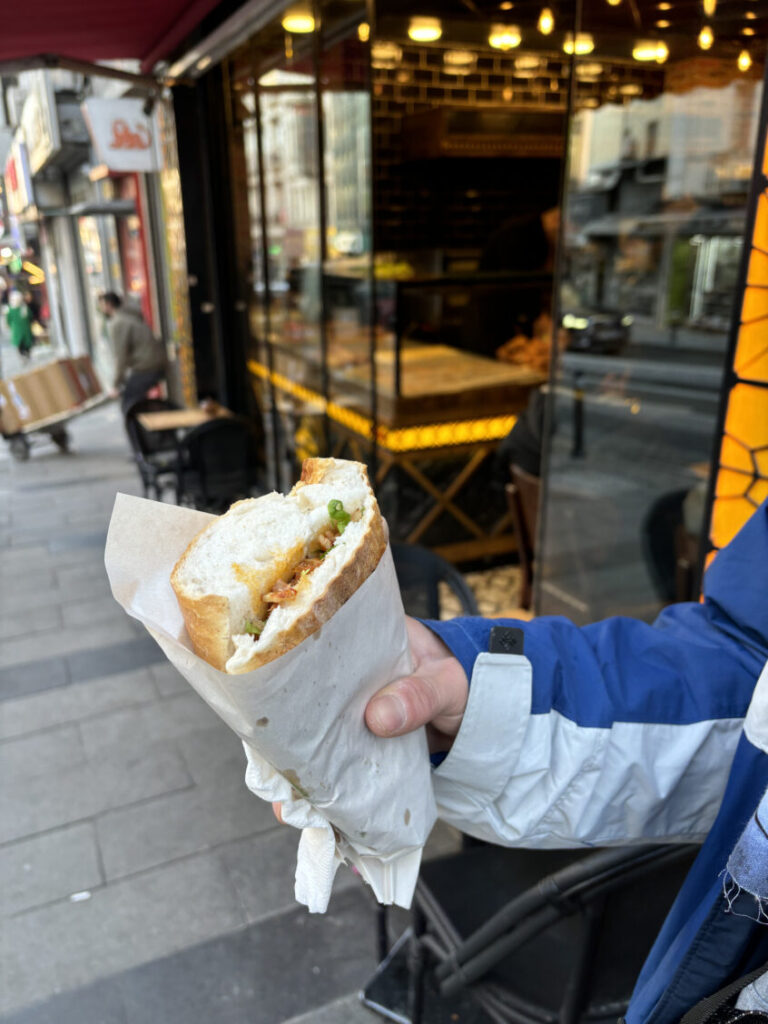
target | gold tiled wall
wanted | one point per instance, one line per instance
(742, 475)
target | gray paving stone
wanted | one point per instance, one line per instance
(65, 641)
(32, 677)
(25, 624)
(87, 611)
(213, 753)
(43, 752)
(19, 560)
(74, 703)
(70, 795)
(263, 867)
(36, 582)
(120, 657)
(347, 1010)
(160, 722)
(29, 600)
(78, 542)
(167, 680)
(48, 867)
(65, 945)
(75, 574)
(161, 830)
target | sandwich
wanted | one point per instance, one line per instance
(260, 579)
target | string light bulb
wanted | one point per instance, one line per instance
(504, 37)
(706, 38)
(650, 49)
(363, 31)
(614, 3)
(581, 45)
(546, 21)
(747, 31)
(425, 30)
(710, 6)
(744, 61)
(299, 21)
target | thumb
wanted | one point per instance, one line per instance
(418, 699)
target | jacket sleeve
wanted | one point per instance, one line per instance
(119, 335)
(610, 733)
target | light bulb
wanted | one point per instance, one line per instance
(650, 49)
(546, 21)
(299, 21)
(706, 38)
(504, 37)
(747, 31)
(583, 44)
(709, 7)
(425, 30)
(363, 31)
(745, 61)
(614, 3)
(662, 23)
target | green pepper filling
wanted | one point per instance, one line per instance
(338, 516)
(254, 626)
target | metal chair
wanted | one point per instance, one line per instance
(420, 573)
(523, 499)
(528, 937)
(213, 465)
(153, 450)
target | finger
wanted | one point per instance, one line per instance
(277, 809)
(436, 695)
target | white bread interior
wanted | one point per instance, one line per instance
(221, 578)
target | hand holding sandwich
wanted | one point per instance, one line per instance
(434, 694)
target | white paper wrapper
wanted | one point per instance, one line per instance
(357, 797)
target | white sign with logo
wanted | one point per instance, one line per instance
(124, 138)
(40, 123)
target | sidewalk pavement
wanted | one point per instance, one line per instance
(140, 881)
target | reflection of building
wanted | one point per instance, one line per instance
(659, 233)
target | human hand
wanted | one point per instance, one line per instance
(434, 694)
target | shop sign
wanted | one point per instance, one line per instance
(124, 138)
(39, 122)
(18, 182)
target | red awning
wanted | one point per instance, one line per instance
(92, 30)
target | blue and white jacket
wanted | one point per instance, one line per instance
(623, 732)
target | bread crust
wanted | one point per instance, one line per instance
(207, 617)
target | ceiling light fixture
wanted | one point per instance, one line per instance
(706, 38)
(709, 6)
(614, 3)
(459, 62)
(527, 65)
(504, 37)
(385, 55)
(581, 45)
(631, 89)
(750, 15)
(425, 30)
(650, 49)
(662, 23)
(747, 31)
(744, 61)
(546, 21)
(299, 21)
(664, 7)
(363, 31)
(506, 6)
(589, 70)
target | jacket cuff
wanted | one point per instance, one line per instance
(490, 738)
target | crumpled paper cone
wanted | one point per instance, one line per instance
(358, 797)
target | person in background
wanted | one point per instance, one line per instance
(19, 323)
(33, 305)
(139, 356)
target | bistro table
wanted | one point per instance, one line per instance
(181, 419)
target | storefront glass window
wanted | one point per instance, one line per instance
(654, 216)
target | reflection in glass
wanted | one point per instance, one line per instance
(654, 219)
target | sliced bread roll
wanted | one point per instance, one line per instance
(262, 578)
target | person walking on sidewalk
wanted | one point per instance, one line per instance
(20, 324)
(139, 355)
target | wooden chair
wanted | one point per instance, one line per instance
(523, 498)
